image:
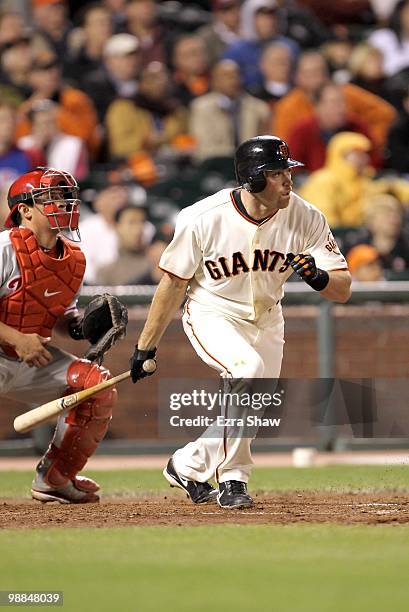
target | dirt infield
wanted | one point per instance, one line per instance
(172, 510)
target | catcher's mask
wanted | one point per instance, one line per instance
(54, 193)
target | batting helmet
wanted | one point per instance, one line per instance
(258, 154)
(54, 186)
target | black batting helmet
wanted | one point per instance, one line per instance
(258, 154)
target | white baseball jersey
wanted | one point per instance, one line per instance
(10, 274)
(237, 265)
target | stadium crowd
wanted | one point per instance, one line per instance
(145, 103)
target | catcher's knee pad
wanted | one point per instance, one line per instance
(84, 426)
(83, 374)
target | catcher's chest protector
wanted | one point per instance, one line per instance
(48, 285)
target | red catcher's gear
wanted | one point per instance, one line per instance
(60, 204)
(48, 285)
(79, 432)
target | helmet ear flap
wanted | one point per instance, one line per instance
(255, 184)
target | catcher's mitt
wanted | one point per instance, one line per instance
(104, 323)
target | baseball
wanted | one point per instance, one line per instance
(149, 365)
(303, 457)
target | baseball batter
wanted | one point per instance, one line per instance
(232, 252)
(41, 273)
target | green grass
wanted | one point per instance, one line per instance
(329, 478)
(223, 568)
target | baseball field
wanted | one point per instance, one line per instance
(333, 538)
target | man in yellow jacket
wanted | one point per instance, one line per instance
(343, 188)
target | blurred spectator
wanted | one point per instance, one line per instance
(366, 70)
(393, 42)
(398, 140)
(13, 161)
(52, 24)
(223, 30)
(15, 64)
(310, 75)
(59, 150)
(386, 233)
(383, 9)
(342, 11)
(226, 116)
(337, 52)
(260, 26)
(300, 24)
(98, 236)
(142, 22)
(76, 114)
(338, 189)
(85, 57)
(130, 260)
(364, 263)
(190, 68)
(11, 27)
(309, 138)
(118, 76)
(153, 254)
(344, 186)
(153, 118)
(276, 68)
(117, 9)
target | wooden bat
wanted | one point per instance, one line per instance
(32, 418)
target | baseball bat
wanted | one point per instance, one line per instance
(37, 416)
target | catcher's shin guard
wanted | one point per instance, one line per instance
(78, 433)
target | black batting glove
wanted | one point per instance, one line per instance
(306, 268)
(136, 363)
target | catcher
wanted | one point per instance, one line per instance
(41, 273)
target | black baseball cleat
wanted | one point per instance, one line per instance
(233, 494)
(198, 492)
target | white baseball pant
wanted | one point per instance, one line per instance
(237, 349)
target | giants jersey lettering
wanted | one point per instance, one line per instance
(238, 266)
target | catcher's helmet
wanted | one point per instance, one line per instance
(56, 186)
(258, 154)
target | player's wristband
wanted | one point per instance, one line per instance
(144, 355)
(75, 328)
(319, 281)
